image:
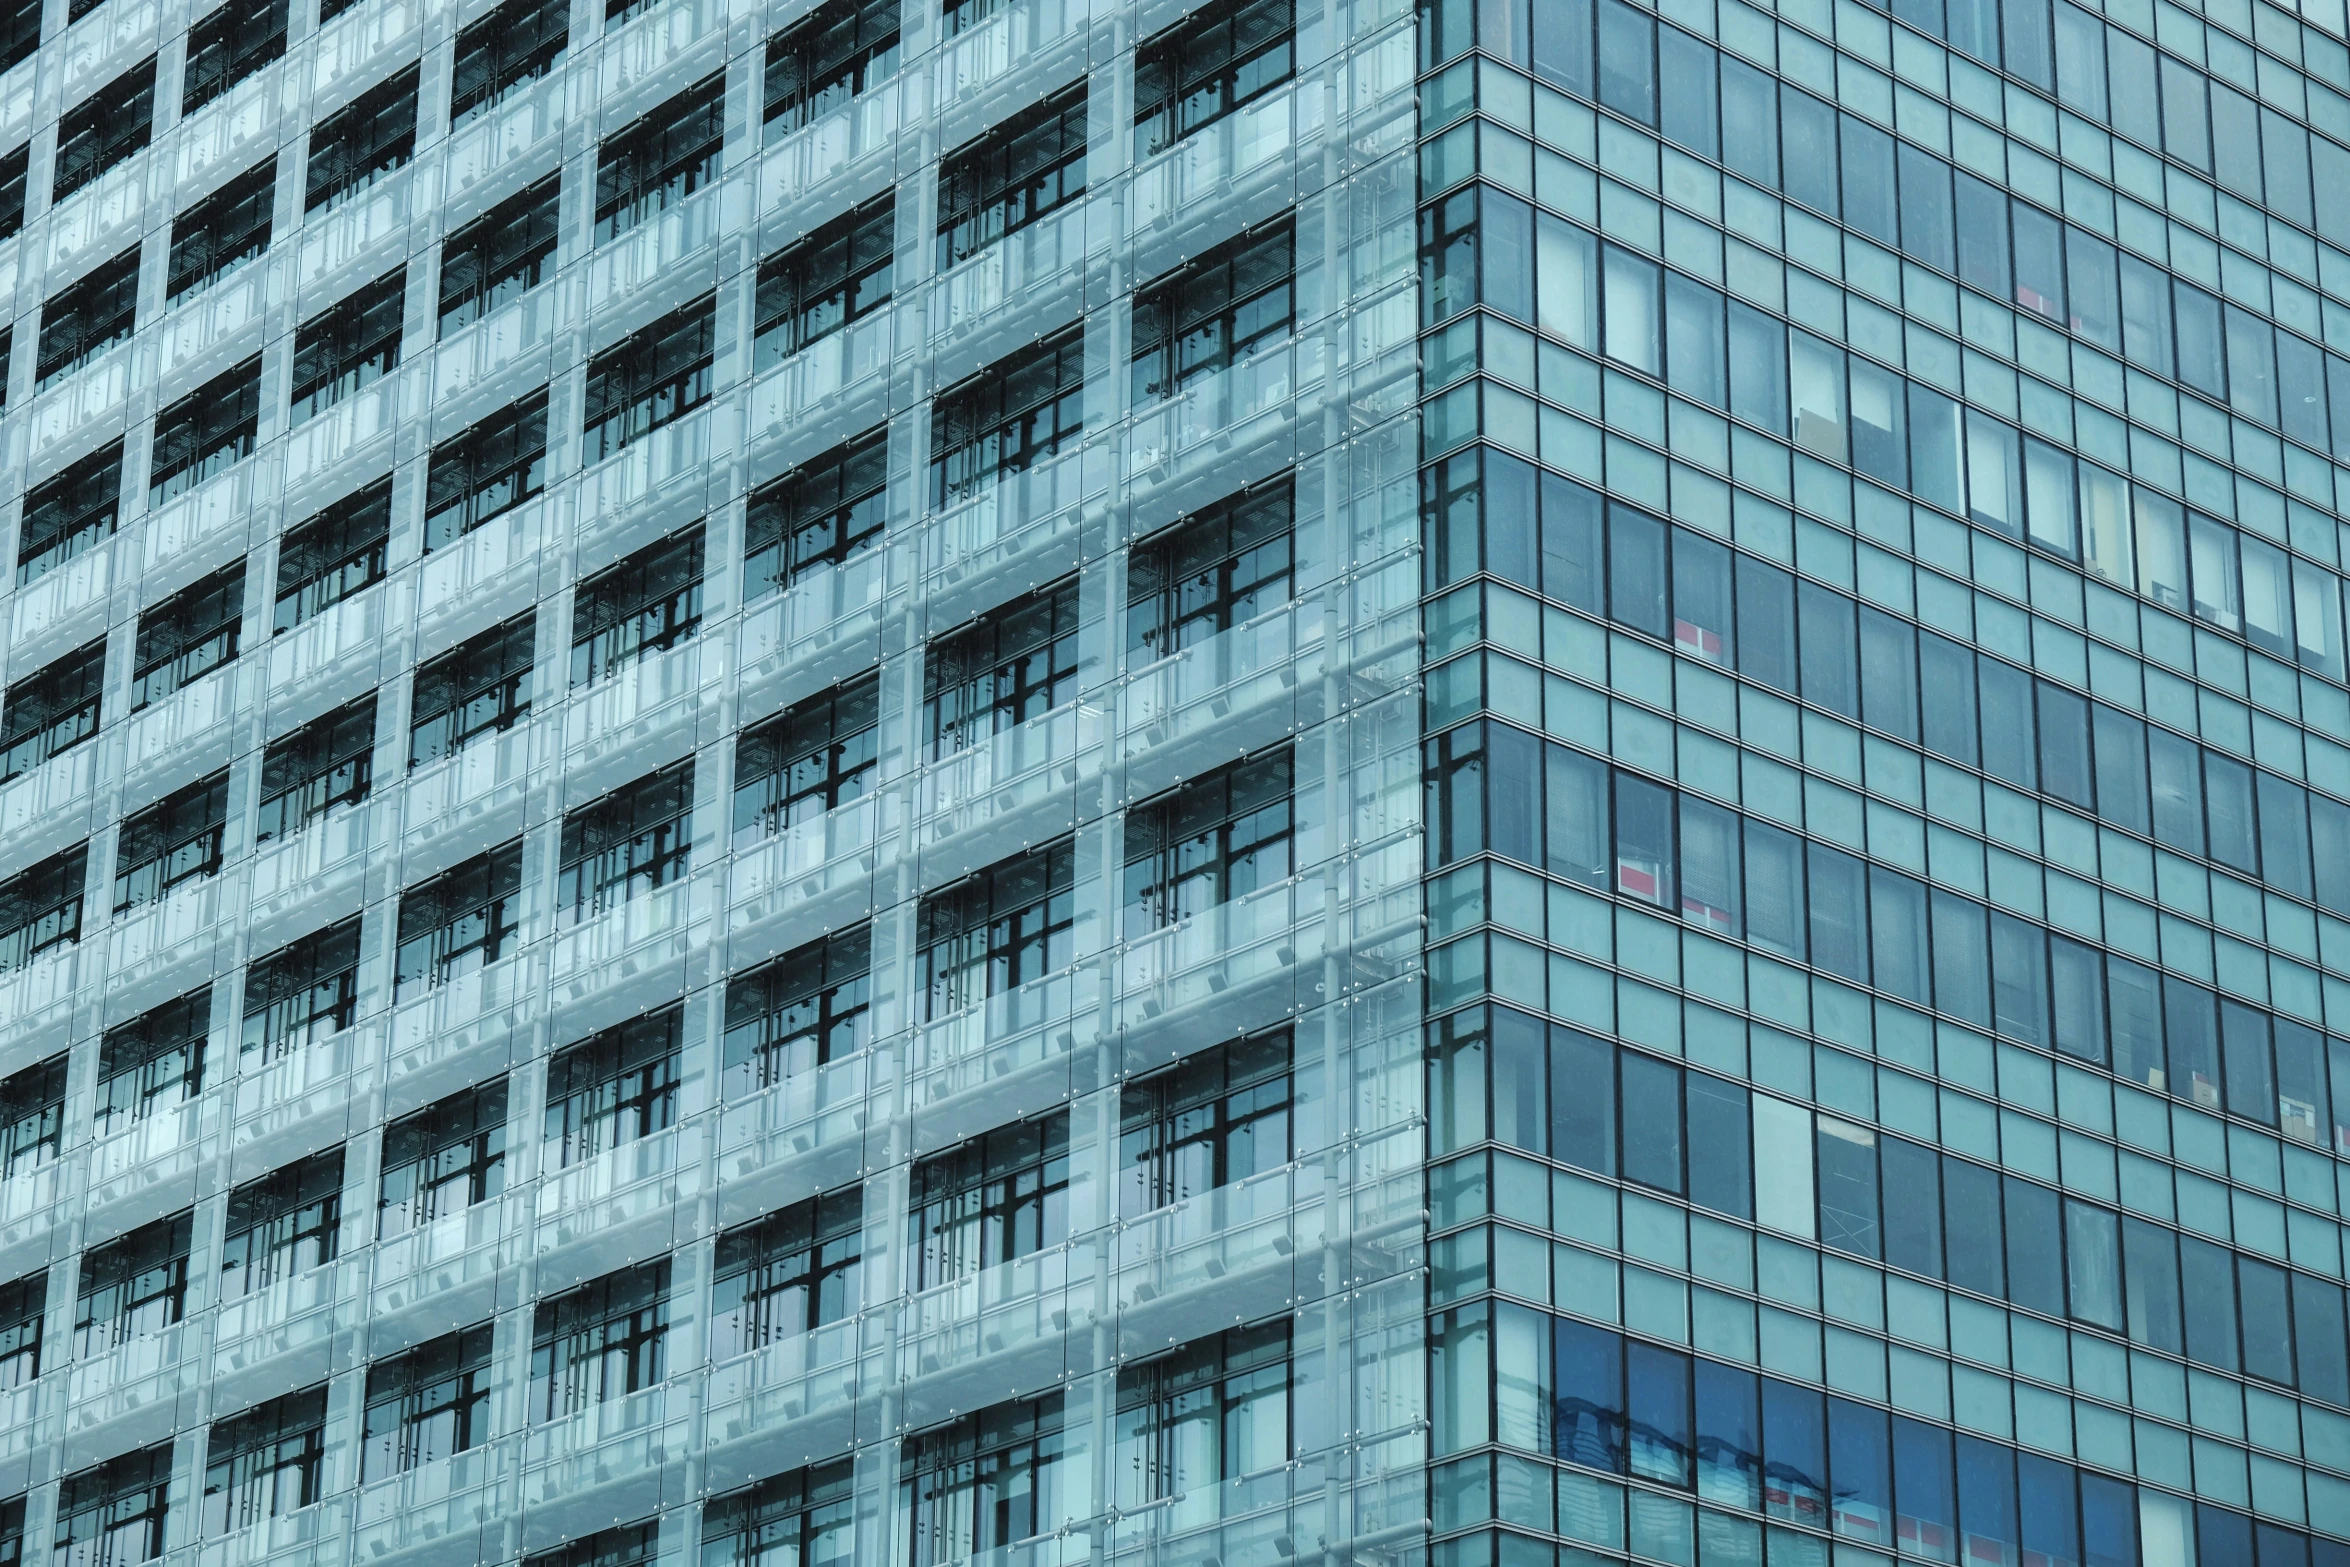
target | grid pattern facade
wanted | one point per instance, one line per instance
(688, 871)
(1885, 776)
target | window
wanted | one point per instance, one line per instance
(836, 275)
(20, 33)
(501, 255)
(265, 1462)
(152, 1062)
(205, 433)
(825, 512)
(426, 1404)
(67, 514)
(111, 1514)
(283, 1223)
(802, 1517)
(334, 555)
(1017, 174)
(454, 923)
(443, 1159)
(12, 1532)
(480, 686)
(14, 170)
(232, 42)
(650, 378)
(363, 141)
(960, 16)
(348, 345)
(1212, 63)
(649, 167)
(1209, 843)
(105, 128)
(623, 1545)
(647, 603)
(1214, 313)
(41, 907)
(327, 762)
(22, 1306)
(188, 635)
(1016, 664)
(989, 1480)
(514, 45)
(787, 1274)
(999, 929)
(830, 57)
(1008, 418)
(997, 1198)
(32, 1116)
(486, 472)
(796, 1012)
(817, 757)
(86, 318)
(221, 232)
(1212, 1119)
(52, 710)
(1195, 1420)
(613, 1088)
(600, 1341)
(132, 1286)
(1218, 569)
(303, 992)
(173, 841)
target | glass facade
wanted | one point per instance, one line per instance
(1884, 780)
(711, 783)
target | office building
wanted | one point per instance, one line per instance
(710, 842)
(1886, 771)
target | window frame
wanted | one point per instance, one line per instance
(133, 1050)
(501, 255)
(335, 555)
(33, 917)
(474, 915)
(361, 142)
(470, 679)
(410, 1394)
(615, 1087)
(807, 761)
(838, 503)
(519, 45)
(798, 1011)
(650, 379)
(94, 485)
(52, 710)
(349, 345)
(997, 929)
(205, 433)
(290, 1224)
(178, 838)
(169, 657)
(645, 603)
(102, 132)
(427, 1152)
(1011, 176)
(825, 281)
(670, 152)
(139, 1280)
(308, 991)
(846, 48)
(573, 1353)
(101, 306)
(251, 196)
